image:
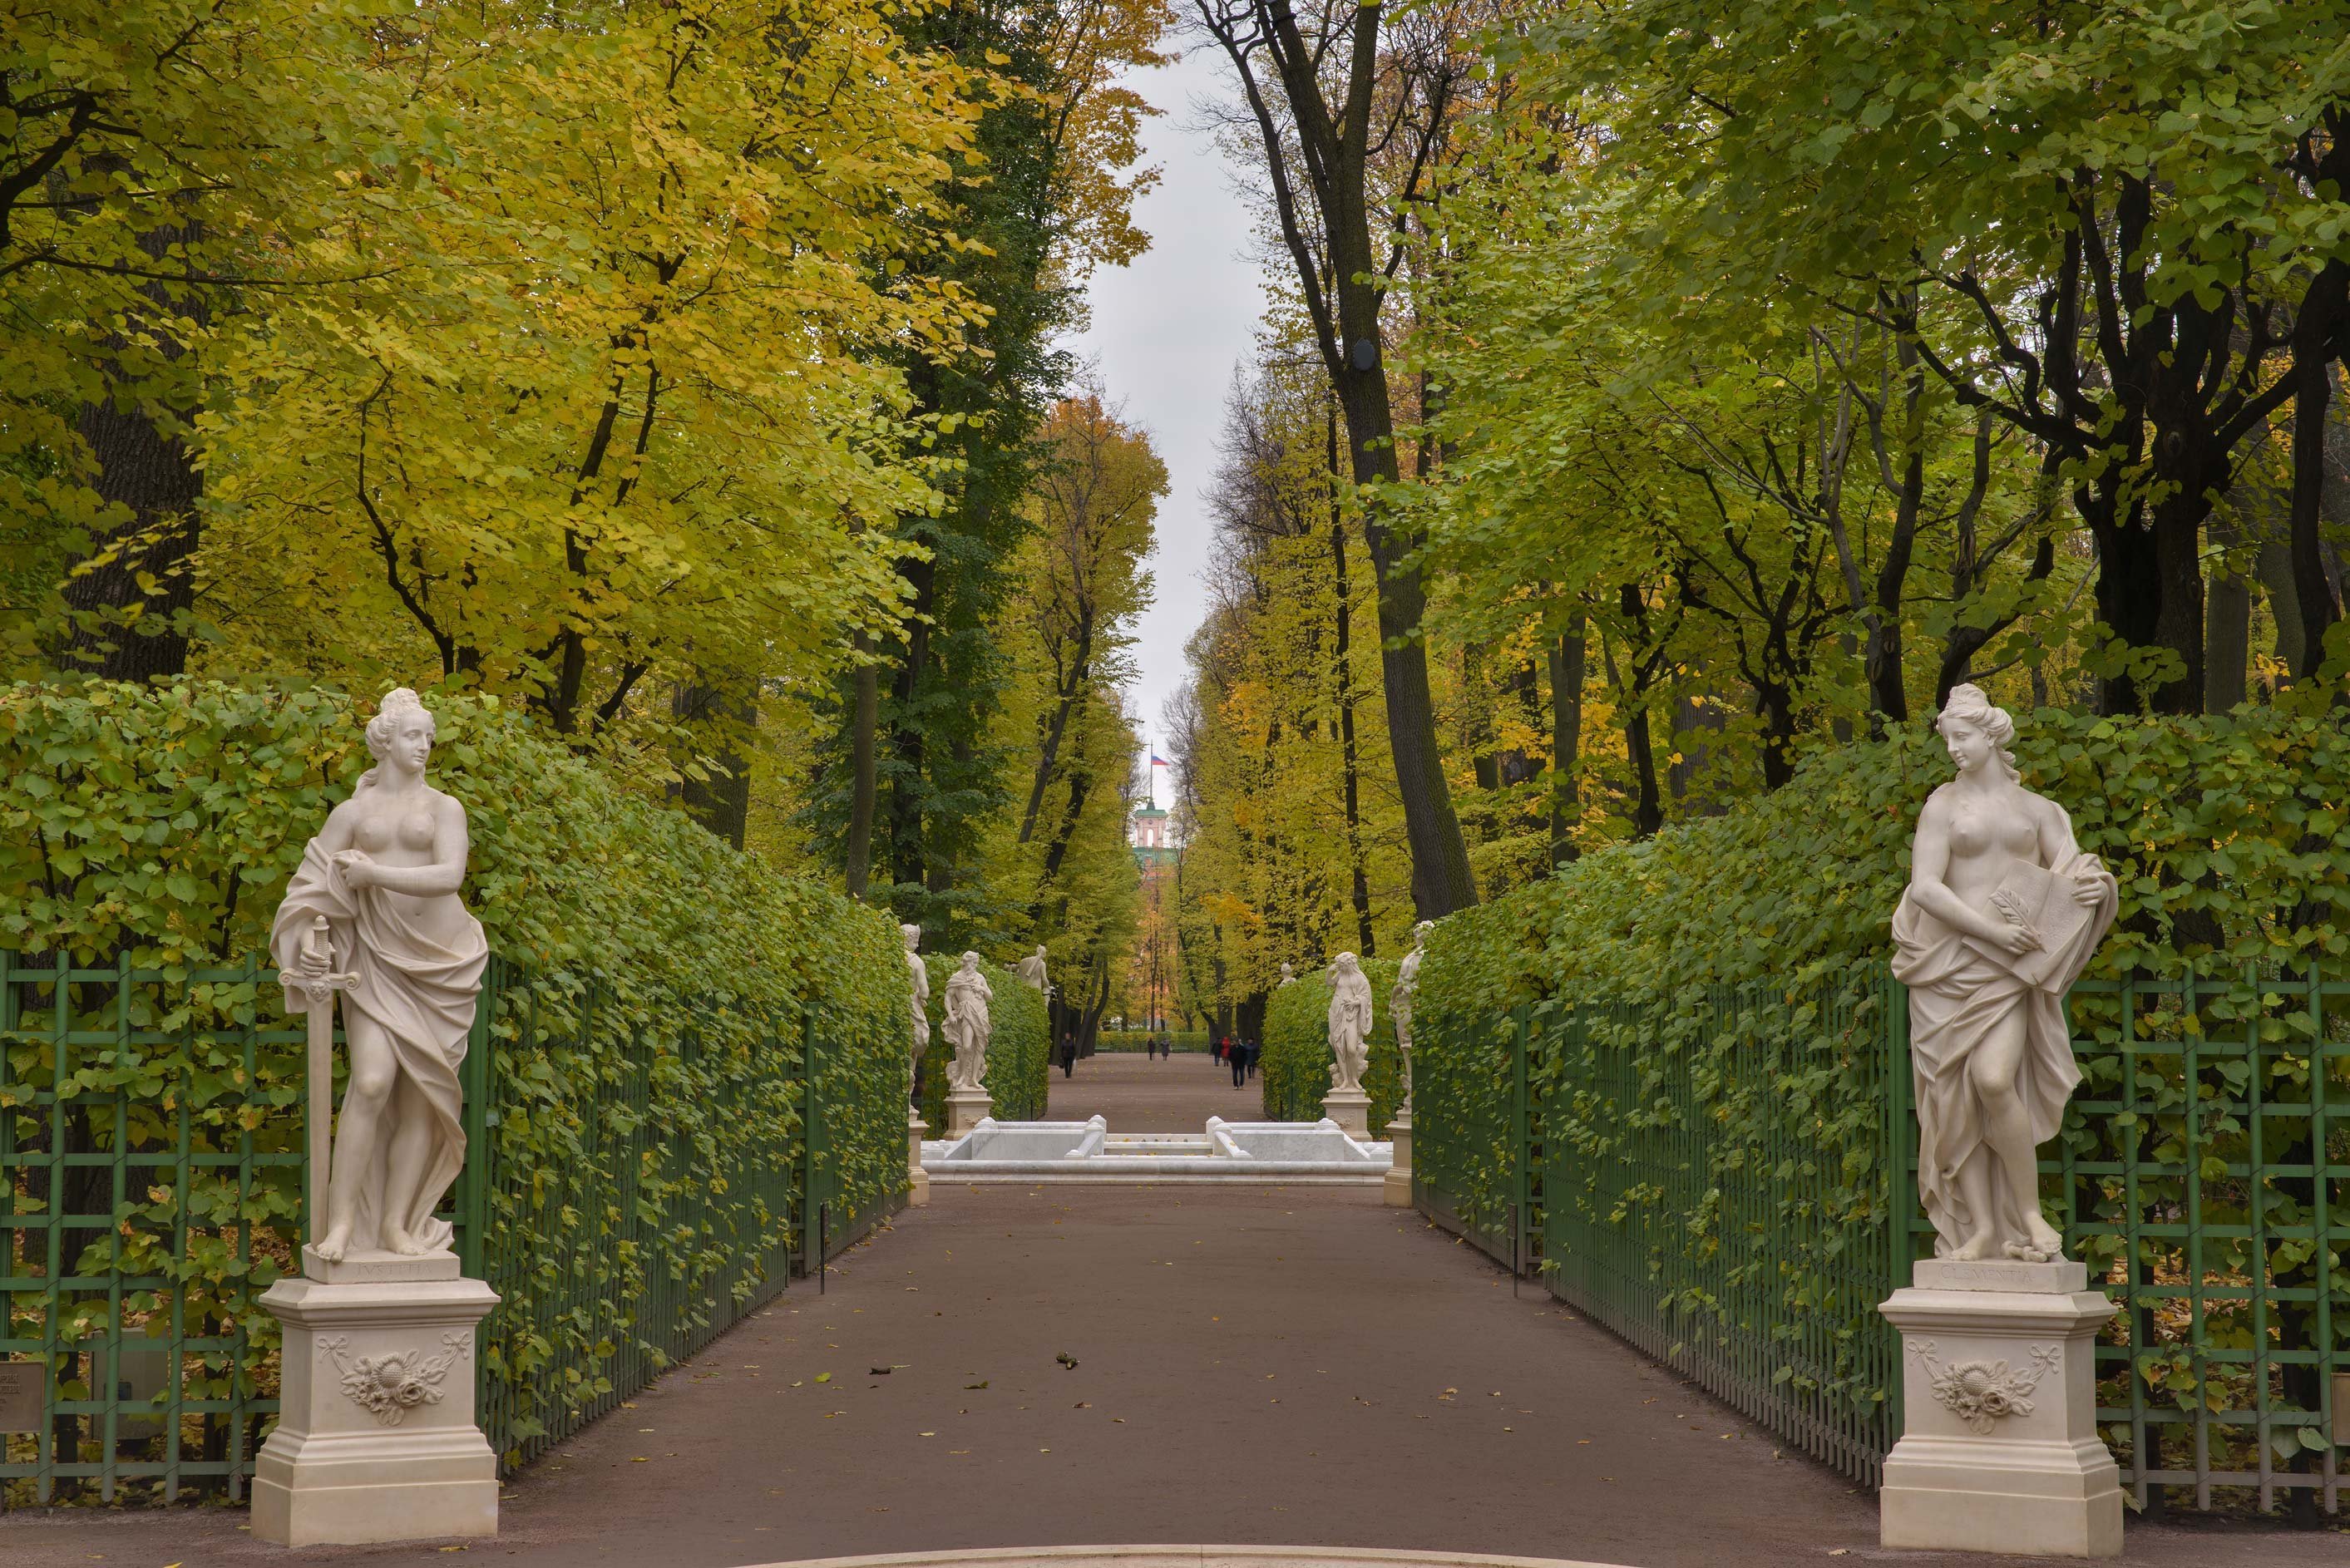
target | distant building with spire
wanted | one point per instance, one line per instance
(1154, 846)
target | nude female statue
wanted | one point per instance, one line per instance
(1350, 1022)
(383, 874)
(2001, 914)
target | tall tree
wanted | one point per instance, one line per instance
(1333, 98)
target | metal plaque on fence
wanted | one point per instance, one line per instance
(22, 1385)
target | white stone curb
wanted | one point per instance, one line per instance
(1190, 1557)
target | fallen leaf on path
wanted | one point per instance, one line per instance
(877, 1371)
(1065, 1359)
(980, 1385)
(1083, 1405)
(824, 1377)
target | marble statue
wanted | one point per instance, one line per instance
(383, 875)
(967, 1024)
(1351, 1023)
(1031, 970)
(1407, 986)
(2000, 916)
(919, 1036)
(1288, 977)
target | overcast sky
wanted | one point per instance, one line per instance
(1165, 332)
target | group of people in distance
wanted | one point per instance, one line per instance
(1240, 1055)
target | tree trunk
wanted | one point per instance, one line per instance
(1441, 882)
(906, 860)
(131, 601)
(2276, 575)
(721, 803)
(1350, 757)
(2227, 630)
(1694, 723)
(1565, 657)
(2313, 373)
(1066, 702)
(865, 707)
(1648, 806)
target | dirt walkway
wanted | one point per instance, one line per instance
(1140, 1095)
(1257, 1367)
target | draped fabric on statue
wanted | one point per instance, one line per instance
(1960, 991)
(419, 989)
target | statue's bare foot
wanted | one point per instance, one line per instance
(2024, 1252)
(2045, 1237)
(334, 1244)
(1974, 1250)
(396, 1239)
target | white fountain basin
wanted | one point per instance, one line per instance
(1290, 1153)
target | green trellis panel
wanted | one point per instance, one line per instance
(144, 1208)
(1737, 1208)
(152, 1157)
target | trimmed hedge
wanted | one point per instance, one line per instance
(2230, 835)
(1016, 1046)
(1296, 1072)
(1721, 972)
(156, 827)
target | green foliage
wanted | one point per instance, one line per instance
(155, 827)
(1714, 1102)
(1296, 1072)
(1018, 1050)
(2221, 830)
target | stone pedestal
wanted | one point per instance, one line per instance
(917, 1181)
(966, 1108)
(1351, 1109)
(375, 1438)
(1999, 1450)
(1398, 1180)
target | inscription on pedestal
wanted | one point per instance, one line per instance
(2056, 1277)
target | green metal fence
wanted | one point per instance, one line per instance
(142, 1196)
(1727, 1179)
(151, 1160)
(1727, 1211)
(1475, 1147)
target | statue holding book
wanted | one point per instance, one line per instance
(2000, 916)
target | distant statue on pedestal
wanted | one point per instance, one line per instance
(968, 1024)
(919, 1035)
(382, 876)
(1288, 977)
(1351, 1023)
(2000, 916)
(1400, 1000)
(1031, 970)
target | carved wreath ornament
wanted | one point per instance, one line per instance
(388, 1386)
(1979, 1392)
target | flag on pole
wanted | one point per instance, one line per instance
(1157, 761)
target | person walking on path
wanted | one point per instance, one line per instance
(1068, 1055)
(1240, 1057)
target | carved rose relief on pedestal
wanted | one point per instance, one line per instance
(388, 1386)
(1979, 1392)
